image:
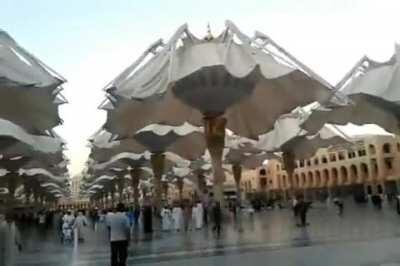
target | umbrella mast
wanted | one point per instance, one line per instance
(214, 132)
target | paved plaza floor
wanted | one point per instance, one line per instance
(362, 236)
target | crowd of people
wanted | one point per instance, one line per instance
(123, 222)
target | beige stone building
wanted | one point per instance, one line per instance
(370, 165)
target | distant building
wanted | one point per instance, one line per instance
(369, 166)
(75, 186)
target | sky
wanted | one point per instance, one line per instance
(90, 42)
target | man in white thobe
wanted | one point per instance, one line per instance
(166, 219)
(178, 218)
(79, 224)
(10, 240)
(198, 216)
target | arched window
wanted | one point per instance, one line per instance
(303, 180)
(332, 157)
(334, 177)
(369, 190)
(386, 148)
(380, 189)
(388, 163)
(344, 175)
(317, 178)
(324, 159)
(371, 149)
(284, 185)
(308, 162)
(398, 146)
(325, 176)
(263, 172)
(310, 179)
(353, 173)
(296, 180)
(364, 171)
(316, 161)
(375, 168)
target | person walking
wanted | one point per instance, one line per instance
(339, 203)
(197, 214)
(166, 218)
(217, 217)
(10, 239)
(294, 207)
(119, 232)
(79, 224)
(177, 217)
(147, 219)
(187, 217)
(303, 209)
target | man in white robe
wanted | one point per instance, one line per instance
(198, 216)
(166, 219)
(79, 224)
(178, 218)
(10, 240)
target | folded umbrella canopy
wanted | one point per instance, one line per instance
(15, 140)
(28, 83)
(253, 75)
(185, 140)
(288, 136)
(375, 90)
(154, 139)
(230, 81)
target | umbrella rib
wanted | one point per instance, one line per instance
(132, 67)
(263, 36)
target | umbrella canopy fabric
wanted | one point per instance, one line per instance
(20, 67)
(42, 172)
(230, 75)
(186, 141)
(375, 90)
(288, 136)
(15, 140)
(28, 83)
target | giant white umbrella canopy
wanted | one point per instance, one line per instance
(28, 83)
(234, 81)
(154, 139)
(289, 136)
(15, 141)
(214, 74)
(375, 90)
(185, 140)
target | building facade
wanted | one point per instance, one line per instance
(75, 186)
(370, 165)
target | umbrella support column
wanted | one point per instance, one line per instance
(290, 164)
(157, 163)
(135, 176)
(12, 184)
(180, 190)
(201, 185)
(237, 174)
(121, 188)
(214, 130)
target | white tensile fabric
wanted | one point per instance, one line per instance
(231, 75)
(29, 84)
(288, 136)
(41, 171)
(186, 141)
(374, 89)
(20, 67)
(3, 172)
(38, 143)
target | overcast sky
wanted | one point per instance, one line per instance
(91, 41)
